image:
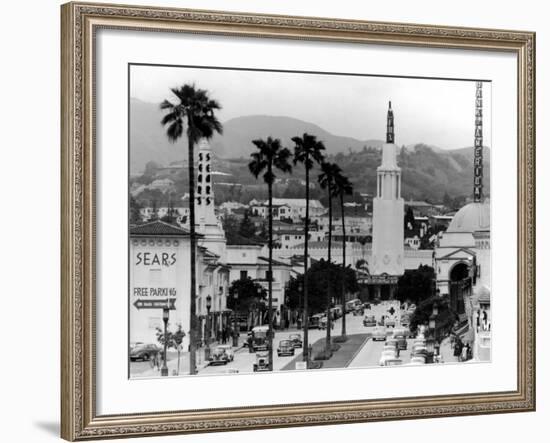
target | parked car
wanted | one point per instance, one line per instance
(391, 341)
(404, 320)
(388, 354)
(262, 362)
(389, 321)
(228, 350)
(369, 320)
(401, 336)
(145, 352)
(296, 340)
(379, 333)
(219, 355)
(285, 348)
(418, 360)
(358, 310)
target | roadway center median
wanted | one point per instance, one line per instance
(340, 358)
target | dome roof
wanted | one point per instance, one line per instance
(471, 218)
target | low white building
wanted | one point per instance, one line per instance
(287, 208)
(249, 259)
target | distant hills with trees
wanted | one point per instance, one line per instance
(429, 173)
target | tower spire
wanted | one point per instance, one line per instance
(390, 138)
(478, 145)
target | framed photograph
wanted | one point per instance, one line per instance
(277, 221)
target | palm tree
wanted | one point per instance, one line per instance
(327, 180)
(271, 155)
(194, 113)
(307, 150)
(342, 186)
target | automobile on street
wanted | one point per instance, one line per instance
(379, 334)
(145, 352)
(285, 348)
(369, 320)
(296, 340)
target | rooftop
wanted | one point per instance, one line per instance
(472, 218)
(158, 228)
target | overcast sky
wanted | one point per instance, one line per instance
(436, 112)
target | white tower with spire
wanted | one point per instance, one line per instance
(206, 221)
(388, 211)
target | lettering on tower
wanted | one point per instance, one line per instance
(478, 145)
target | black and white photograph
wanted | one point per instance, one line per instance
(291, 221)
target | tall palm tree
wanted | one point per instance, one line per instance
(270, 156)
(194, 114)
(307, 150)
(327, 180)
(342, 186)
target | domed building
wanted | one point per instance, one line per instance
(462, 259)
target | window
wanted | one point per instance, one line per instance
(244, 275)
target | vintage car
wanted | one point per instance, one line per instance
(369, 320)
(419, 351)
(358, 310)
(388, 354)
(285, 348)
(219, 355)
(262, 362)
(323, 323)
(392, 341)
(418, 360)
(296, 340)
(314, 321)
(401, 336)
(389, 322)
(379, 333)
(145, 352)
(228, 350)
(257, 339)
(404, 320)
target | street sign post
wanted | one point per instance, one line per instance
(161, 303)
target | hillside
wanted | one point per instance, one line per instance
(428, 172)
(149, 143)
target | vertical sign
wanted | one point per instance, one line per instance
(478, 145)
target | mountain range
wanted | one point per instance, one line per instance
(428, 171)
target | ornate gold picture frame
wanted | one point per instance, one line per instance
(80, 22)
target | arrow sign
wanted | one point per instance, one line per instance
(161, 303)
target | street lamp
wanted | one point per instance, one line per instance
(259, 290)
(165, 316)
(207, 338)
(235, 333)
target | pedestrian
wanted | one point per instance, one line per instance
(478, 320)
(457, 352)
(464, 354)
(224, 336)
(485, 317)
